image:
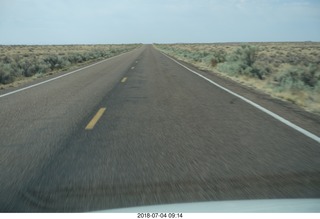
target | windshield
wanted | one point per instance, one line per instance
(114, 104)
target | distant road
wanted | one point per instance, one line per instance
(140, 129)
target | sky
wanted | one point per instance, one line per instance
(157, 21)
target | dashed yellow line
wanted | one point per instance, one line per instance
(95, 119)
(124, 79)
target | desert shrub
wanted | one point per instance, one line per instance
(25, 66)
(218, 56)
(299, 78)
(52, 61)
(39, 66)
(311, 76)
(63, 62)
(246, 54)
(231, 68)
(243, 62)
(213, 62)
(56, 62)
(7, 60)
(317, 88)
(75, 58)
(6, 74)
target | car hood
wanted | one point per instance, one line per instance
(237, 206)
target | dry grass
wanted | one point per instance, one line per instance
(44, 50)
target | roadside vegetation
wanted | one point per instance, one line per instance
(290, 71)
(19, 62)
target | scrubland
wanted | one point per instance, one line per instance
(19, 63)
(290, 71)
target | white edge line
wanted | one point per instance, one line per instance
(61, 76)
(279, 118)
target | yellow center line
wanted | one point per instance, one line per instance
(95, 119)
(124, 79)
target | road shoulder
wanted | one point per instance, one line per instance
(293, 113)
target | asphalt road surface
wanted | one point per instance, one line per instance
(139, 129)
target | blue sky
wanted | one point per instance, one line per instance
(157, 21)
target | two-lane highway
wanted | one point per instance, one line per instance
(140, 129)
(36, 122)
